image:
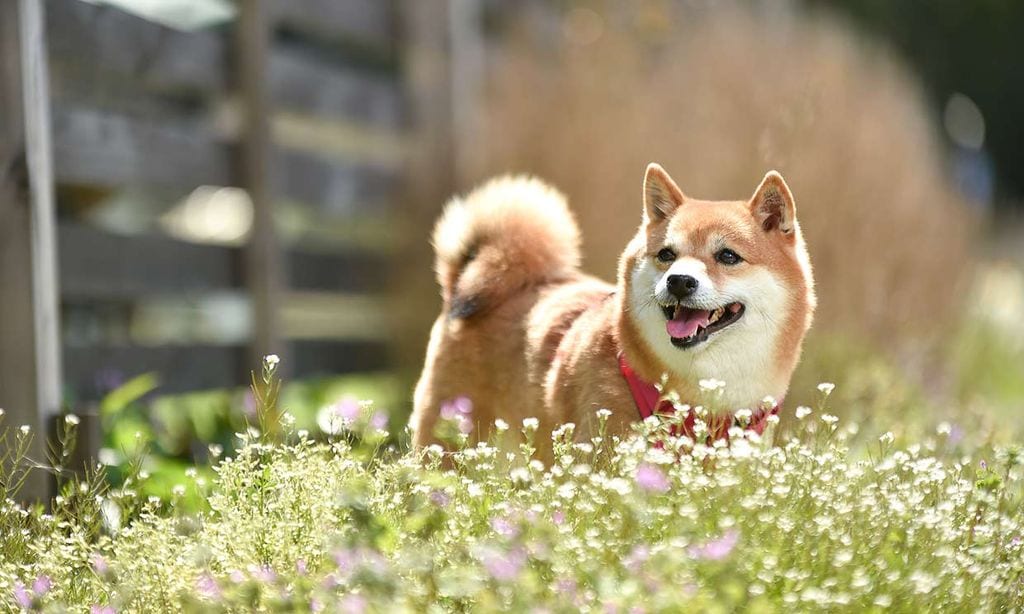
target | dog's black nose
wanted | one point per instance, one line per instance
(681, 286)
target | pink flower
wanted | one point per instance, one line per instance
(42, 585)
(717, 549)
(506, 566)
(352, 604)
(102, 609)
(263, 573)
(347, 409)
(207, 586)
(558, 517)
(21, 595)
(651, 478)
(439, 498)
(379, 421)
(99, 564)
(504, 527)
(459, 406)
(636, 558)
(300, 567)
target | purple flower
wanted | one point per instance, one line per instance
(352, 604)
(504, 566)
(300, 567)
(439, 498)
(459, 406)
(249, 404)
(208, 587)
(263, 573)
(558, 517)
(236, 576)
(956, 435)
(651, 478)
(347, 409)
(42, 585)
(315, 605)
(379, 421)
(99, 564)
(637, 557)
(716, 549)
(102, 609)
(21, 595)
(504, 527)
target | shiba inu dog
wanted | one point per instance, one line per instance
(706, 290)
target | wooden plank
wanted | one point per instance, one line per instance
(26, 389)
(369, 24)
(97, 265)
(96, 148)
(92, 371)
(313, 358)
(334, 188)
(100, 43)
(264, 272)
(43, 218)
(301, 82)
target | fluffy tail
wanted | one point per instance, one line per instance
(508, 234)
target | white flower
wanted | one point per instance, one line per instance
(802, 412)
(603, 414)
(944, 428)
(25, 429)
(178, 490)
(887, 437)
(216, 450)
(287, 419)
(530, 424)
(711, 384)
(829, 419)
(826, 388)
(72, 419)
(1, 411)
(500, 425)
(271, 360)
(743, 416)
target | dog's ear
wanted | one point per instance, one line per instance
(661, 195)
(772, 205)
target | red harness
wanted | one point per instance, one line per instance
(649, 403)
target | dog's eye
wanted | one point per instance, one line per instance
(666, 255)
(727, 256)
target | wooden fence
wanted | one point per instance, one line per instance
(306, 102)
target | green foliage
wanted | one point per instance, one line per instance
(808, 523)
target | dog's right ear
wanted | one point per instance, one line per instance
(661, 195)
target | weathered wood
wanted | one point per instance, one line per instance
(301, 82)
(95, 148)
(91, 371)
(101, 43)
(29, 374)
(361, 23)
(100, 265)
(97, 265)
(334, 188)
(264, 272)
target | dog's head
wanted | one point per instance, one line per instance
(720, 289)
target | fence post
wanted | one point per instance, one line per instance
(30, 367)
(263, 256)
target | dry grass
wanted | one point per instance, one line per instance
(719, 96)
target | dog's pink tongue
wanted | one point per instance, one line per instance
(686, 322)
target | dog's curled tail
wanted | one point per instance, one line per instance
(506, 235)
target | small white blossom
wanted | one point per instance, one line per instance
(887, 437)
(25, 429)
(500, 425)
(826, 388)
(530, 424)
(829, 419)
(72, 419)
(802, 412)
(711, 384)
(271, 360)
(944, 428)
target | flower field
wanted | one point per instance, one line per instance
(822, 518)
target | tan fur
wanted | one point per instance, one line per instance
(524, 334)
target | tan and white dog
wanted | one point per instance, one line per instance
(706, 290)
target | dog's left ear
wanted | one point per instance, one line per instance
(772, 204)
(661, 194)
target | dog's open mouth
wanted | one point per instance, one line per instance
(687, 326)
